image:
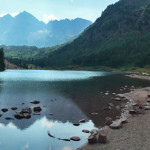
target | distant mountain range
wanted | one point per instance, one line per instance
(25, 29)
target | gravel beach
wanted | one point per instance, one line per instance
(135, 135)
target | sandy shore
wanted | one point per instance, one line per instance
(135, 135)
(138, 76)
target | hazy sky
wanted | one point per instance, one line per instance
(56, 9)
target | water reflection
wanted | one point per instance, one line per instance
(36, 136)
(69, 95)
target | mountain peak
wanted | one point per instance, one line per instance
(24, 14)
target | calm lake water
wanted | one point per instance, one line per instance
(69, 95)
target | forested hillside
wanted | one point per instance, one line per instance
(120, 37)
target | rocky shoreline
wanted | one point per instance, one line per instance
(135, 133)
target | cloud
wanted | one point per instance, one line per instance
(47, 124)
(1, 125)
(11, 125)
(50, 17)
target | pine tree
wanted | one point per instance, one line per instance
(2, 64)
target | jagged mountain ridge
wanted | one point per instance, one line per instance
(25, 29)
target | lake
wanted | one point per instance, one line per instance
(65, 98)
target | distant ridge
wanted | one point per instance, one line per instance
(25, 29)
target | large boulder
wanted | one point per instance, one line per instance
(27, 110)
(18, 115)
(76, 124)
(4, 110)
(92, 139)
(85, 131)
(116, 124)
(101, 138)
(37, 109)
(26, 115)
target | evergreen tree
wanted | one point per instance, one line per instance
(2, 64)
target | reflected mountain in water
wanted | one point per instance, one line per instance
(69, 95)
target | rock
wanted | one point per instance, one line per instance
(107, 108)
(37, 109)
(101, 138)
(14, 108)
(108, 121)
(51, 113)
(146, 104)
(132, 112)
(4, 110)
(114, 93)
(65, 139)
(111, 104)
(116, 124)
(92, 139)
(18, 115)
(50, 135)
(147, 107)
(135, 105)
(76, 124)
(9, 118)
(123, 120)
(106, 93)
(35, 102)
(118, 107)
(121, 95)
(27, 110)
(94, 113)
(75, 138)
(94, 132)
(82, 121)
(117, 117)
(85, 131)
(116, 99)
(26, 115)
(122, 106)
(0, 115)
